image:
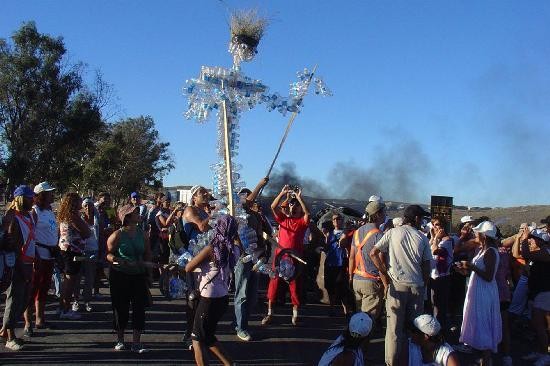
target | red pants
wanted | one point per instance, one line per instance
(41, 279)
(295, 290)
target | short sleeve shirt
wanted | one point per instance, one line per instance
(407, 249)
(291, 232)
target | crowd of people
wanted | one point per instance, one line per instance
(409, 274)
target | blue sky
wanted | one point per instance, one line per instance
(430, 97)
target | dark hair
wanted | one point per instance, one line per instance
(104, 194)
(442, 220)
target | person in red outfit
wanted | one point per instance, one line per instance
(293, 224)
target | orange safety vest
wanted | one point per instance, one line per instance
(359, 262)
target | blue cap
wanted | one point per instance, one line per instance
(24, 191)
(134, 195)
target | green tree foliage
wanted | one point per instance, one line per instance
(131, 157)
(48, 119)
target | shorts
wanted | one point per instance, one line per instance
(71, 267)
(542, 301)
(208, 314)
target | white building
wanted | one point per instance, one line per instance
(180, 193)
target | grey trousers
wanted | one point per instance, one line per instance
(403, 305)
(17, 295)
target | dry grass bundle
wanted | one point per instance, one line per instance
(248, 23)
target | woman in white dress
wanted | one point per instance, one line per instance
(482, 324)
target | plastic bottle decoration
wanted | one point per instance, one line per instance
(240, 93)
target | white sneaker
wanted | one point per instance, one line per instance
(507, 361)
(70, 315)
(120, 346)
(89, 307)
(14, 345)
(543, 360)
(76, 306)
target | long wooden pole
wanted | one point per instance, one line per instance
(288, 126)
(228, 167)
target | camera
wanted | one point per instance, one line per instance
(293, 188)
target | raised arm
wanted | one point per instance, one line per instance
(252, 196)
(277, 212)
(304, 207)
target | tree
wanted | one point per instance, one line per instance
(131, 157)
(48, 118)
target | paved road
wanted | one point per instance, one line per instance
(91, 341)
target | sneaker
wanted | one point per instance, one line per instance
(28, 333)
(532, 356)
(138, 348)
(89, 307)
(70, 315)
(15, 344)
(295, 320)
(543, 361)
(507, 361)
(244, 335)
(267, 319)
(188, 344)
(463, 348)
(76, 306)
(120, 346)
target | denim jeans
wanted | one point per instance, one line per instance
(246, 293)
(56, 276)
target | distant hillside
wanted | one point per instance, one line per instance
(507, 218)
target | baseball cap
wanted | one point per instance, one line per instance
(466, 219)
(415, 210)
(43, 187)
(134, 195)
(360, 325)
(374, 206)
(24, 191)
(375, 198)
(125, 210)
(244, 190)
(487, 228)
(427, 324)
(546, 220)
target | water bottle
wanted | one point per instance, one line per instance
(266, 269)
(247, 258)
(184, 258)
(174, 287)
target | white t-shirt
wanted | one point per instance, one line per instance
(45, 231)
(408, 248)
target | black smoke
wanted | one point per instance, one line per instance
(398, 171)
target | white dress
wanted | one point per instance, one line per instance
(482, 323)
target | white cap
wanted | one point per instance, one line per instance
(360, 325)
(375, 198)
(487, 228)
(194, 189)
(466, 219)
(397, 221)
(43, 187)
(427, 324)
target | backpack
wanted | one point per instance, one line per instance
(177, 238)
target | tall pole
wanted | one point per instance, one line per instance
(228, 167)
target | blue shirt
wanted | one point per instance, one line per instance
(335, 253)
